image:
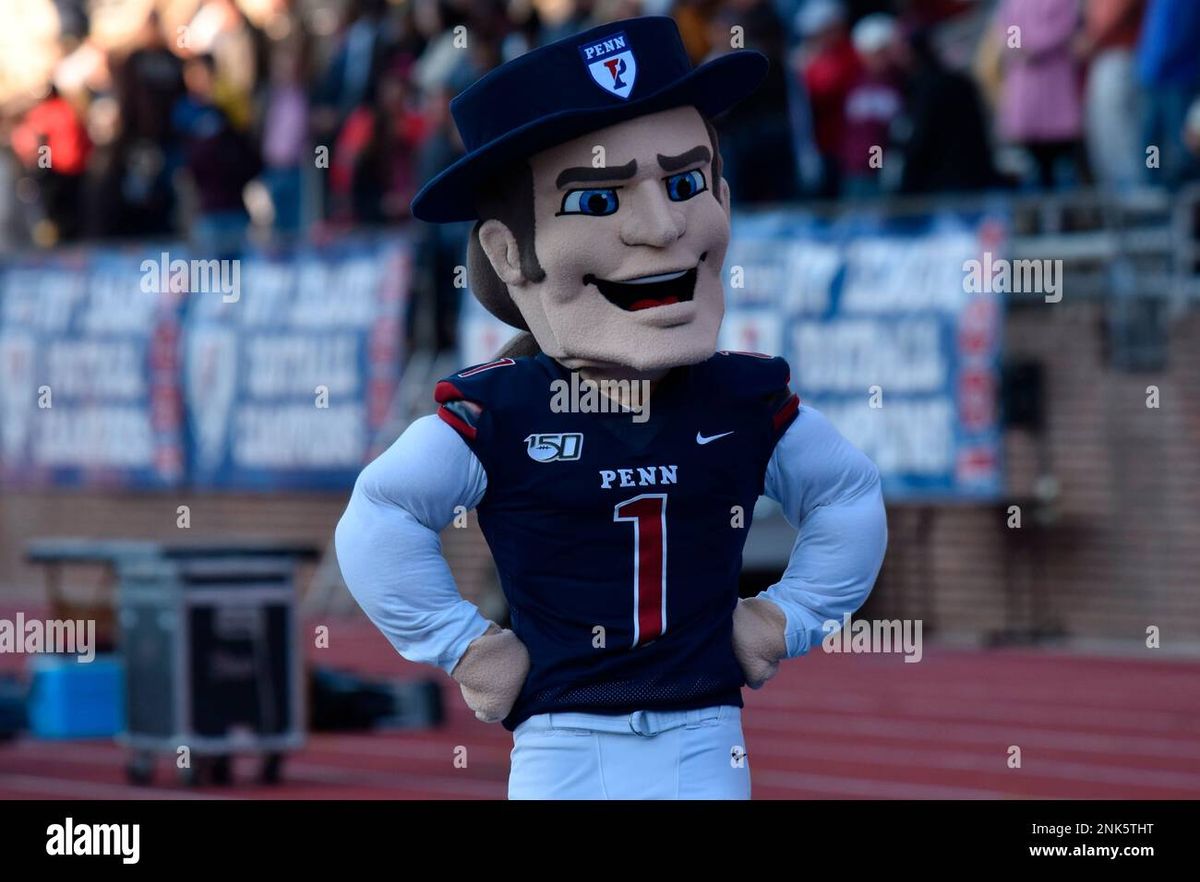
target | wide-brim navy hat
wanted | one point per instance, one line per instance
(573, 86)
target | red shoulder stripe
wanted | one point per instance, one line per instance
(456, 423)
(446, 391)
(785, 414)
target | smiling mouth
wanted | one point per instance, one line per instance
(647, 292)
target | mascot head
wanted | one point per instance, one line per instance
(593, 176)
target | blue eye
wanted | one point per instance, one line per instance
(592, 202)
(685, 185)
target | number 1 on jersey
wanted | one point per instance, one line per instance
(648, 513)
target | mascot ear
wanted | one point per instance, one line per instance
(726, 202)
(503, 253)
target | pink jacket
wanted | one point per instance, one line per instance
(1040, 98)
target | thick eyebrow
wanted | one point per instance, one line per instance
(586, 174)
(698, 153)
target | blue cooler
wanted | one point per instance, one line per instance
(72, 700)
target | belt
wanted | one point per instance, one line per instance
(648, 722)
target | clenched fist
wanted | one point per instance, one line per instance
(491, 673)
(759, 642)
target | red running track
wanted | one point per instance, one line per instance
(828, 727)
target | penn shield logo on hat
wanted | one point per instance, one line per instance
(548, 96)
(611, 63)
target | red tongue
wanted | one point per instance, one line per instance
(649, 303)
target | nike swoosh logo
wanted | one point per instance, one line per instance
(700, 439)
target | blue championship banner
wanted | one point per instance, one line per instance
(90, 393)
(882, 330)
(286, 385)
(146, 367)
(884, 336)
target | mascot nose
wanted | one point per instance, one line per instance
(652, 219)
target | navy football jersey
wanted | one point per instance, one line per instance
(619, 543)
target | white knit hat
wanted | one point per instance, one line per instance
(873, 32)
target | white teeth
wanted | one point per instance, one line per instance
(661, 277)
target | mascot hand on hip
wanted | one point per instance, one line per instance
(612, 454)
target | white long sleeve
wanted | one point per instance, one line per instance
(390, 551)
(830, 492)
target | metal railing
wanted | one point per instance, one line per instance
(1155, 230)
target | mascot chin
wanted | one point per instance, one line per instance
(612, 454)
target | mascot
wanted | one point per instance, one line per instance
(612, 455)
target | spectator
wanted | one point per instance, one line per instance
(218, 161)
(439, 247)
(443, 58)
(221, 30)
(388, 128)
(828, 64)
(372, 177)
(52, 145)
(399, 131)
(756, 139)
(347, 81)
(946, 149)
(104, 209)
(1169, 69)
(1041, 109)
(285, 139)
(873, 103)
(694, 18)
(1109, 37)
(148, 83)
(351, 194)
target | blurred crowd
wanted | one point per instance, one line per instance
(214, 117)
(1040, 93)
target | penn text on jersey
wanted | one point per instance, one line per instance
(645, 477)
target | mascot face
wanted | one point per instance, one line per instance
(632, 250)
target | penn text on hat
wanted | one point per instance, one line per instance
(594, 79)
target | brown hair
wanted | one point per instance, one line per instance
(509, 200)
